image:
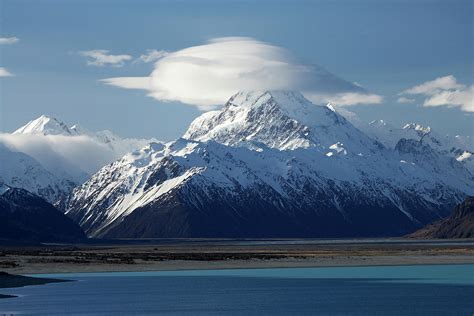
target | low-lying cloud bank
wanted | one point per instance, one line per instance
(72, 157)
(444, 91)
(207, 75)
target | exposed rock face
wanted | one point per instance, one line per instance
(27, 217)
(460, 224)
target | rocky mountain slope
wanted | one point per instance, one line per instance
(460, 224)
(271, 164)
(27, 217)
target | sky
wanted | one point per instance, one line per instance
(401, 61)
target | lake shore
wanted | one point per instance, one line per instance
(191, 254)
(11, 281)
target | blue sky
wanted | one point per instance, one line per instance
(385, 46)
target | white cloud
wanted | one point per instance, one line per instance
(464, 98)
(5, 73)
(207, 75)
(102, 57)
(345, 99)
(8, 40)
(73, 155)
(141, 83)
(445, 91)
(405, 100)
(151, 56)
(433, 86)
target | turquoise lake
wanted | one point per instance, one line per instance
(382, 290)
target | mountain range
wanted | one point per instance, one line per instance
(267, 164)
(272, 164)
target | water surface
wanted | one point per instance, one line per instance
(393, 290)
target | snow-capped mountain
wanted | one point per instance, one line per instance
(71, 153)
(49, 158)
(459, 147)
(270, 164)
(281, 120)
(46, 125)
(20, 170)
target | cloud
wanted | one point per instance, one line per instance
(464, 98)
(151, 56)
(141, 83)
(445, 91)
(74, 156)
(405, 100)
(207, 75)
(5, 73)
(8, 40)
(433, 86)
(345, 99)
(101, 57)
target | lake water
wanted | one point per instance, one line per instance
(393, 290)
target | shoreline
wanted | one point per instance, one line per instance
(208, 255)
(9, 281)
(249, 268)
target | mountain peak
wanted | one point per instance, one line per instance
(291, 103)
(45, 125)
(420, 129)
(277, 119)
(79, 130)
(249, 97)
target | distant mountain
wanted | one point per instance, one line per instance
(459, 147)
(46, 125)
(27, 217)
(49, 158)
(271, 164)
(20, 170)
(460, 224)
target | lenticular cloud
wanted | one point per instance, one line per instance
(207, 75)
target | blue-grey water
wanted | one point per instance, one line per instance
(389, 290)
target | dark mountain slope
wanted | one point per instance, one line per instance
(460, 224)
(27, 217)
